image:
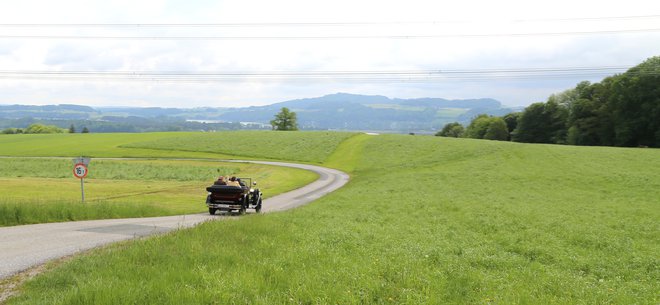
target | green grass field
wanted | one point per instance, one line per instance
(90, 145)
(174, 170)
(44, 190)
(167, 186)
(424, 220)
(312, 147)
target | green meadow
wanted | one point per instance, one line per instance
(424, 220)
(38, 188)
(314, 147)
(44, 190)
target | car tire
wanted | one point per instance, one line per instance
(258, 207)
(244, 205)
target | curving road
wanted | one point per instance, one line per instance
(26, 246)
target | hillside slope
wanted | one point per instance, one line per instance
(424, 220)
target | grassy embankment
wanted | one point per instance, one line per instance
(43, 190)
(423, 220)
(309, 147)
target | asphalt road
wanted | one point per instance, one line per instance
(26, 246)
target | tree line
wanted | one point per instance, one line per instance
(621, 110)
(41, 128)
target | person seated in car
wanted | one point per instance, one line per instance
(220, 181)
(233, 181)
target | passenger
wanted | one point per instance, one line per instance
(232, 181)
(220, 181)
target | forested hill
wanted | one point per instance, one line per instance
(372, 112)
(341, 111)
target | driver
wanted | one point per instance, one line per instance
(220, 181)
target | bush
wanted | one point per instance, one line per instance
(497, 130)
(12, 131)
(454, 130)
(40, 128)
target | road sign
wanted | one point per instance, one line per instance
(80, 170)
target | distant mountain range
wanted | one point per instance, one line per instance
(340, 111)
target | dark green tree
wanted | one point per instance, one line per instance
(634, 105)
(285, 120)
(557, 119)
(72, 129)
(584, 123)
(497, 130)
(511, 120)
(85, 130)
(531, 127)
(478, 127)
(454, 130)
(542, 123)
(621, 110)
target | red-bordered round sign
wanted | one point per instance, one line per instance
(80, 170)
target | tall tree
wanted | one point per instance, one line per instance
(542, 123)
(511, 120)
(478, 127)
(634, 103)
(583, 122)
(497, 130)
(72, 129)
(556, 116)
(531, 127)
(285, 120)
(454, 130)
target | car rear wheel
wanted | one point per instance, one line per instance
(212, 211)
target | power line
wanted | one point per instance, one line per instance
(590, 18)
(326, 72)
(307, 24)
(372, 76)
(398, 37)
(326, 79)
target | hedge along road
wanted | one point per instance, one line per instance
(26, 246)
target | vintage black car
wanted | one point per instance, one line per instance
(233, 196)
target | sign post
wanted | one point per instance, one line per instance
(80, 171)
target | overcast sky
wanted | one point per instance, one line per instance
(403, 49)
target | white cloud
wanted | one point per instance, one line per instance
(451, 18)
